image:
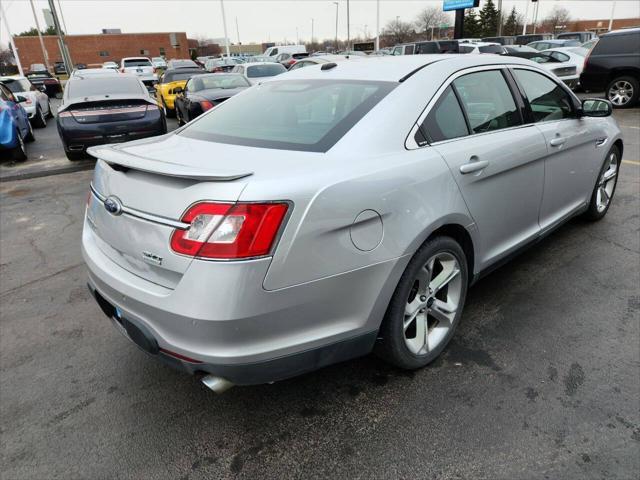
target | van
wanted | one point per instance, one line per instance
(278, 49)
(440, 46)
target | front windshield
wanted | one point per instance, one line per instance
(206, 82)
(17, 86)
(303, 115)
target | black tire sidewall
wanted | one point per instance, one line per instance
(392, 346)
(636, 90)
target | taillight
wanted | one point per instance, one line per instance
(227, 231)
(206, 105)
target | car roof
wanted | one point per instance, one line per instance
(396, 68)
(623, 31)
(13, 77)
(250, 64)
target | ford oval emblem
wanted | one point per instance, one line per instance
(113, 205)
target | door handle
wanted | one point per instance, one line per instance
(556, 142)
(473, 166)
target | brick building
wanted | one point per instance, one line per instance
(100, 48)
(601, 26)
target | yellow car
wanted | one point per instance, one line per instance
(170, 83)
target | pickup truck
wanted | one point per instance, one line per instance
(142, 68)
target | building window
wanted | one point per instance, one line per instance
(162, 54)
(103, 53)
(144, 52)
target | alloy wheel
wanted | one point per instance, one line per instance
(607, 182)
(432, 304)
(620, 93)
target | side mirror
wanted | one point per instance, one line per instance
(20, 99)
(596, 107)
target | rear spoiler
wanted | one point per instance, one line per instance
(112, 156)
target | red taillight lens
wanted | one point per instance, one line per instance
(226, 231)
(206, 105)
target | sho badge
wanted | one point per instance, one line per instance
(151, 258)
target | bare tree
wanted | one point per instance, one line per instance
(557, 20)
(398, 31)
(431, 18)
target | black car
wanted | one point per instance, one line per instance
(439, 46)
(501, 40)
(59, 68)
(106, 109)
(613, 66)
(46, 82)
(204, 92)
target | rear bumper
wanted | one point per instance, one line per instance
(78, 137)
(220, 320)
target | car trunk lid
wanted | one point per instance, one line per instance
(137, 202)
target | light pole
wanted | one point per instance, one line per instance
(377, 25)
(335, 44)
(44, 50)
(66, 57)
(312, 31)
(224, 24)
(535, 16)
(613, 9)
(238, 33)
(348, 30)
(526, 15)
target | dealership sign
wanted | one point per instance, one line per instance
(459, 4)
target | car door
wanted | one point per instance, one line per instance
(186, 100)
(571, 158)
(20, 119)
(496, 160)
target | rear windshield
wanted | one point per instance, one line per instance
(111, 85)
(257, 71)
(17, 85)
(183, 63)
(219, 81)
(304, 115)
(177, 76)
(137, 62)
(490, 49)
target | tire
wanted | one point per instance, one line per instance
(169, 113)
(623, 92)
(39, 119)
(600, 203)
(75, 156)
(19, 152)
(29, 137)
(397, 344)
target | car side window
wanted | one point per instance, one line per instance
(548, 100)
(189, 86)
(487, 101)
(561, 57)
(445, 120)
(3, 94)
(409, 50)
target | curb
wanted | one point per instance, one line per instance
(49, 172)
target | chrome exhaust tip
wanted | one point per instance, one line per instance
(217, 384)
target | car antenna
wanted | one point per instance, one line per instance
(328, 66)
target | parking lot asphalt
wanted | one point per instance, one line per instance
(542, 379)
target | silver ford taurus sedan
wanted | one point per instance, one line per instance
(338, 210)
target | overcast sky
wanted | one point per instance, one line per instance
(262, 20)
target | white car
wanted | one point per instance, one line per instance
(480, 47)
(567, 68)
(37, 105)
(92, 72)
(570, 55)
(140, 67)
(111, 65)
(256, 72)
(278, 49)
(158, 62)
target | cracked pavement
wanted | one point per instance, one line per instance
(542, 379)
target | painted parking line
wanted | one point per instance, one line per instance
(631, 162)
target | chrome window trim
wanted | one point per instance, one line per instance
(410, 142)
